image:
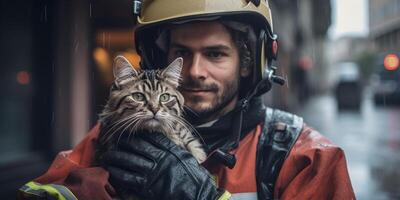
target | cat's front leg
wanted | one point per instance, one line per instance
(196, 149)
(192, 145)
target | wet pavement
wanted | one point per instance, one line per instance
(370, 138)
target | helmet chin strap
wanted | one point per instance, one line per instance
(223, 154)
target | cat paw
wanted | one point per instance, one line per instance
(200, 155)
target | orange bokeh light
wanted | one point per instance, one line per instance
(391, 62)
(23, 77)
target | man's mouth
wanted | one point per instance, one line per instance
(196, 91)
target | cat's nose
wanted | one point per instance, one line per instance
(154, 109)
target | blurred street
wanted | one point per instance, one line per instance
(370, 138)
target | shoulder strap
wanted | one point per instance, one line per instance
(280, 132)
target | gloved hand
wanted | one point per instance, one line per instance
(153, 167)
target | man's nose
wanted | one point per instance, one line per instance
(197, 70)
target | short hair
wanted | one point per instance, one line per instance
(246, 58)
(241, 41)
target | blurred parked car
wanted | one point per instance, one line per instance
(348, 89)
(386, 82)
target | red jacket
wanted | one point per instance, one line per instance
(314, 169)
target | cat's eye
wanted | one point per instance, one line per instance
(165, 97)
(137, 96)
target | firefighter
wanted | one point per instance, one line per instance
(254, 152)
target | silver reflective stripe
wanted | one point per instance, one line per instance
(244, 196)
(64, 191)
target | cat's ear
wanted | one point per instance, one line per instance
(172, 73)
(122, 67)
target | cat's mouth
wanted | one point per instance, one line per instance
(152, 124)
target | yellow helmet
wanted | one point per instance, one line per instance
(156, 11)
(154, 15)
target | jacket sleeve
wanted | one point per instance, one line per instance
(71, 175)
(314, 169)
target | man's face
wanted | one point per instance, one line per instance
(211, 67)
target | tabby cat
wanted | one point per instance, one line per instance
(146, 101)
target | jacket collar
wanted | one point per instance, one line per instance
(220, 134)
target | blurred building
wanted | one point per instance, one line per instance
(302, 29)
(345, 49)
(348, 48)
(384, 25)
(56, 71)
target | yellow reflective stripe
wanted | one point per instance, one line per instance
(28, 192)
(225, 196)
(57, 192)
(215, 179)
(52, 191)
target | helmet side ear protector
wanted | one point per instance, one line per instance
(267, 50)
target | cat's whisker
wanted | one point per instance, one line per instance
(117, 122)
(135, 117)
(134, 121)
(129, 123)
(185, 123)
(170, 121)
(119, 137)
(137, 124)
(170, 126)
(132, 129)
(124, 125)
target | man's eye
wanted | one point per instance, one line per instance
(215, 54)
(182, 53)
(137, 96)
(165, 97)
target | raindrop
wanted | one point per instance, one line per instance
(52, 118)
(104, 39)
(90, 10)
(287, 81)
(45, 13)
(76, 46)
(109, 41)
(384, 100)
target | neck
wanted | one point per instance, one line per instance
(220, 133)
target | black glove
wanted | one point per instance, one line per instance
(153, 167)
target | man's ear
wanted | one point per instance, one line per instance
(245, 71)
